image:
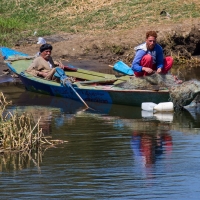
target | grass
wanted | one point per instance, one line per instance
(21, 18)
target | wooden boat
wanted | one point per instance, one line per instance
(91, 86)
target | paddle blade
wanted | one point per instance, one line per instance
(121, 67)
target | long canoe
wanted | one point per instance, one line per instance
(91, 86)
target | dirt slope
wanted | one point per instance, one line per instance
(100, 49)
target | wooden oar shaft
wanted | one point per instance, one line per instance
(79, 96)
(61, 74)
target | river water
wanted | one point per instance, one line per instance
(114, 152)
(111, 152)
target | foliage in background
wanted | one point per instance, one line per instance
(20, 18)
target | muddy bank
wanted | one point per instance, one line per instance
(97, 51)
(105, 48)
(4, 76)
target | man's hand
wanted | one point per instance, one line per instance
(59, 64)
(148, 70)
(43, 74)
(159, 70)
(56, 63)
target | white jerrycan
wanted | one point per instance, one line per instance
(165, 106)
(148, 106)
(161, 107)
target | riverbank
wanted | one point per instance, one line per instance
(109, 46)
(96, 51)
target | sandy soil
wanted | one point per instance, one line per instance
(98, 50)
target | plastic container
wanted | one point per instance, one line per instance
(41, 40)
(148, 106)
(164, 107)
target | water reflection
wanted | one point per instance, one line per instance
(150, 137)
(46, 107)
(149, 148)
(187, 72)
(112, 146)
(15, 161)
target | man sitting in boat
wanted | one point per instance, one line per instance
(149, 57)
(43, 65)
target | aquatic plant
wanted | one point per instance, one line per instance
(17, 132)
(20, 132)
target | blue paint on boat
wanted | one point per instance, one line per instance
(11, 67)
(93, 95)
(7, 52)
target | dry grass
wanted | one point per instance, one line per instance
(20, 133)
(88, 16)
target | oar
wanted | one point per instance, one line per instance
(63, 78)
(69, 68)
(121, 67)
(66, 67)
(78, 95)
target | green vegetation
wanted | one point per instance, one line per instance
(21, 18)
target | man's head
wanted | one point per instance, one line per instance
(45, 51)
(151, 37)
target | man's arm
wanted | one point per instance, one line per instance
(136, 67)
(34, 64)
(159, 57)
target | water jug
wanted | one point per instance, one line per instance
(148, 106)
(165, 106)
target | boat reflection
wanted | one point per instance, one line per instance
(133, 117)
(150, 133)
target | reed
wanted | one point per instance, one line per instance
(19, 132)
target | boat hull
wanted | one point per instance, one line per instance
(110, 96)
